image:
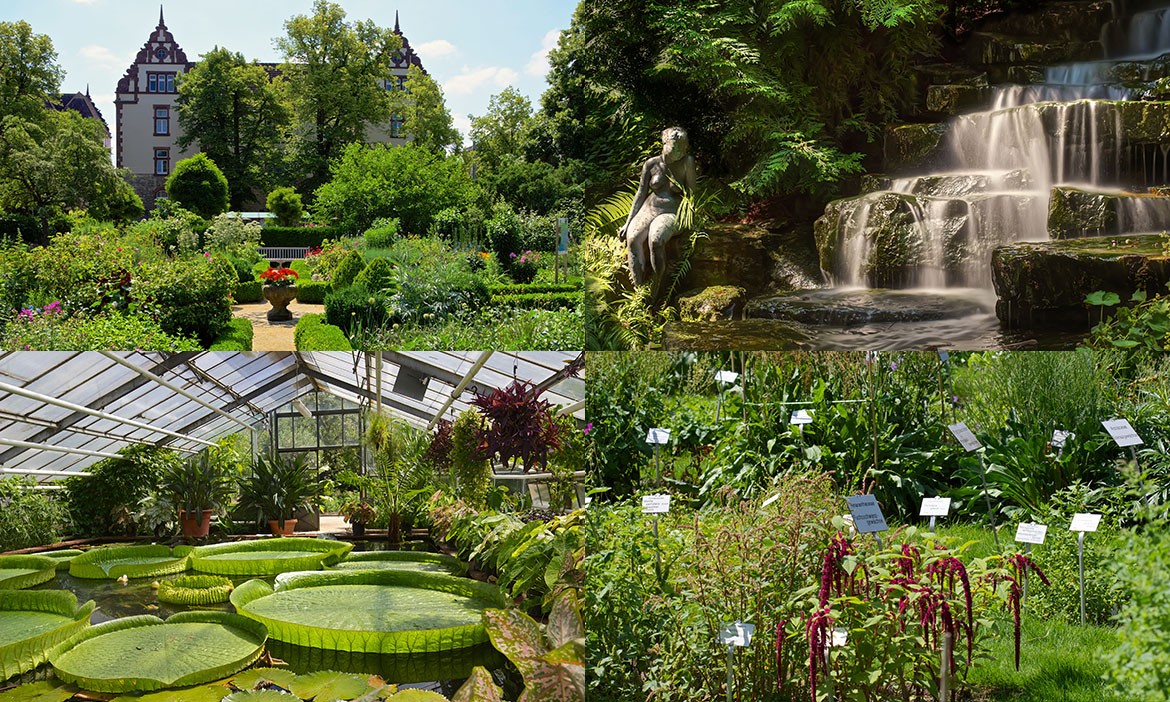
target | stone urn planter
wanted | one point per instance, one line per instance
(279, 298)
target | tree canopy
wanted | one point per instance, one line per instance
(29, 72)
(424, 113)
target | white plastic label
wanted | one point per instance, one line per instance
(658, 436)
(840, 638)
(726, 376)
(935, 507)
(655, 504)
(867, 514)
(1060, 437)
(737, 634)
(965, 436)
(1085, 522)
(771, 499)
(1122, 432)
(1028, 533)
(801, 417)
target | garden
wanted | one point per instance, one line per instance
(878, 526)
(310, 527)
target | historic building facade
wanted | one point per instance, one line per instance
(147, 120)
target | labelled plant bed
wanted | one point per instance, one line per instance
(144, 653)
(269, 556)
(195, 590)
(32, 623)
(113, 562)
(417, 561)
(20, 572)
(371, 611)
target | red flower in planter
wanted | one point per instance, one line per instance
(279, 277)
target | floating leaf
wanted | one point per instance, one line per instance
(20, 572)
(329, 685)
(417, 696)
(63, 556)
(32, 623)
(254, 678)
(480, 687)
(404, 560)
(195, 590)
(39, 692)
(261, 696)
(112, 562)
(206, 693)
(145, 654)
(269, 556)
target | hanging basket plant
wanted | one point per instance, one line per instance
(522, 428)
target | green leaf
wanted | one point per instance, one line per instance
(560, 681)
(112, 562)
(261, 696)
(564, 622)
(1102, 298)
(417, 696)
(268, 556)
(1125, 343)
(480, 687)
(145, 654)
(517, 636)
(206, 693)
(39, 692)
(1138, 296)
(32, 623)
(405, 560)
(21, 572)
(251, 679)
(195, 590)
(329, 685)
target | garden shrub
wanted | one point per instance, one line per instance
(438, 292)
(325, 260)
(237, 337)
(471, 471)
(104, 503)
(286, 237)
(56, 331)
(189, 296)
(28, 517)
(313, 334)
(249, 292)
(198, 185)
(504, 231)
(349, 269)
(541, 301)
(1140, 665)
(286, 204)
(312, 292)
(231, 233)
(490, 328)
(355, 308)
(532, 289)
(302, 269)
(378, 276)
(383, 233)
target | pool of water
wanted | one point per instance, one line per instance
(443, 672)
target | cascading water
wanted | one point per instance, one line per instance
(938, 229)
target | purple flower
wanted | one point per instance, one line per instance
(588, 428)
(893, 365)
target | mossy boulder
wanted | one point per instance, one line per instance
(713, 303)
(953, 99)
(912, 146)
(893, 240)
(989, 48)
(1044, 284)
(1075, 213)
(754, 257)
(1051, 21)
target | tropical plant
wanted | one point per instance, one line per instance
(521, 429)
(265, 557)
(20, 572)
(104, 502)
(471, 471)
(400, 476)
(28, 640)
(553, 661)
(200, 483)
(113, 562)
(278, 488)
(28, 517)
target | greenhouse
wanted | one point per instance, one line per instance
(878, 526)
(292, 526)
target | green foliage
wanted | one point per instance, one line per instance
(286, 204)
(234, 235)
(280, 237)
(110, 332)
(406, 182)
(312, 334)
(279, 487)
(424, 113)
(504, 231)
(20, 572)
(312, 292)
(1140, 663)
(348, 271)
(251, 292)
(471, 472)
(266, 557)
(199, 590)
(377, 277)
(1143, 328)
(201, 482)
(113, 562)
(32, 76)
(50, 617)
(491, 328)
(190, 296)
(353, 309)
(28, 517)
(103, 503)
(553, 665)
(540, 301)
(383, 234)
(198, 185)
(237, 337)
(532, 289)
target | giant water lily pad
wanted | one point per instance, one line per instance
(113, 562)
(269, 556)
(417, 561)
(19, 572)
(63, 557)
(371, 611)
(44, 691)
(195, 590)
(142, 654)
(32, 623)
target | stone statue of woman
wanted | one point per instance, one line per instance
(653, 219)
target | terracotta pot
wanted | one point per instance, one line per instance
(290, 525)
(279, 298)
(195, 524)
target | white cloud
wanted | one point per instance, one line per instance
(538, 65)
(101, 57)
(463, 124)
(438, 48)
(469, 81)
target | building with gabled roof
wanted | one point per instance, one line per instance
(82, 104)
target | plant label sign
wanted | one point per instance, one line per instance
(1028, 533)
(965, 436)
(563, 238)
(655, 504)
(737, 634)
(867, 514)
(800, 417)
(658, 436)
(1085, 522)
(935, 507)
(1122, 432)
(840, 638)
(944, 356)
(726, 377)
(1060, 437)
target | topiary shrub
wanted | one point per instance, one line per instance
(189, 296)
(356, 308)
(351, 267)
(383, 234)
(313, 334)
(377, 276)
(286, 204)
(198, 185)
(250, 291)
(312, 292)
(237, 337)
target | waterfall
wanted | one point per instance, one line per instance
(938, 228)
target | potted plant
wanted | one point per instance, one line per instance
(277, 489)
(358, 513)
(280, 289)
(198, 487)
(399, 476)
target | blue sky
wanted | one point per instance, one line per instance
(474, 48)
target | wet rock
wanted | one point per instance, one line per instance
(912, 146)
(1044, 284)
(743, 335)
(1075, 213)
(846, 308)
(1052, 21)
(711, 304)
(892, 239)
(954, 99)
(753, 257)
(987, 48)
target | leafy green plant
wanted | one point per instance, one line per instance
(198, 185)
(552, 662)
(200, 483)
(28, 517)
(20, 572)
(313, 334)
(103, 503)
(383, 233)
(400, 478)
(264, 557)
(1143, 327)
(471, 471)
(43, 619)
(113, 562)
(286, 204)
(278, 488)
(1140, 662)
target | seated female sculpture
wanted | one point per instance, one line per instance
(653, 219)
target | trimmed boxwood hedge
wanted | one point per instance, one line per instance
(312, 292)
(252, 291)
(533, 288)
(237, 337)
(354, 307)
(280, 237)
(313, 334)
(542, 301)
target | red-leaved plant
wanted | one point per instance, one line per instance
(438, 452)
(522, 427)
